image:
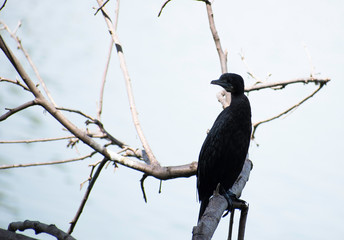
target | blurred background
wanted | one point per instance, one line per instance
(295, 189)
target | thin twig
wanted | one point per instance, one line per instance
(124, 68)
(101, 97)
(108, 135)
(223, 97)
(47, 163)
(143, 187)
(37, 140)
(16, 82)
(3, 5)
(100, 8)
(76, 111)
(33, 66)
(94, 135)
(282, 84)
(100, 108)
(312, 68)
(87, 193)
(221, 53)
(163, 6)
(249, 72)
(12, 111)
(255, 125)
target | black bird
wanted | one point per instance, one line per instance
(225, 148)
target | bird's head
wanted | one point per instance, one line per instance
(231, 82)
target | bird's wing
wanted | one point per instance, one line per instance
(209, 167)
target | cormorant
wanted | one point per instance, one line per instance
(224, 150)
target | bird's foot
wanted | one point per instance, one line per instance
(231, 198)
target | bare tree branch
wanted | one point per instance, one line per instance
(163, 6)
(255, 125)
(37, 140)
(143, 187)
(100, 107)
(282, 84)
(124, 68)
(40, 228)
(212, 216)
(154, 170)
(3, 5)
(159, 172)
(207, 225)
(102, 88)
(249, 72)
(76, 111)
(223, 96)
(5, 234)
(49, 106)
(101, 7)
(17, 82)
(94, 135)
(221, 53)
(108, 135)
(87, 193)
(312, 68)
(20, 46)
(47, 163)
(17, 109)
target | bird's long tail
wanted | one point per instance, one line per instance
(204, 204)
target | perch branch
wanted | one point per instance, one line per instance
(124, 68)
(207, 225)
(255, 125)
(47, 163)
(40, 228)
(17, 109)
(87, 193)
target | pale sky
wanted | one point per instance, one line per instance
(295, 188)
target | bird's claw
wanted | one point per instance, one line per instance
(231, 198)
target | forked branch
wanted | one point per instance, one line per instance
(33, 66)
(125, 72)
(155, 170)
(46, 163)
(40, 228)
(255, 125)
(92, 181)
(12, 111)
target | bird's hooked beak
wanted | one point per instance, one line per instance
(223, 83)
